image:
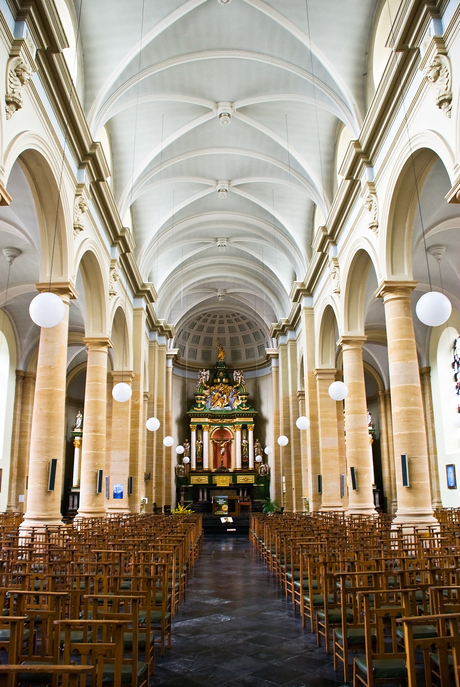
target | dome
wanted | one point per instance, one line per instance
(244, 339)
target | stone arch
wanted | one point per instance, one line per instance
(401, 204)
(120, 336)
(327, 340)
(356, 280)
(95, 290)
(42, 170)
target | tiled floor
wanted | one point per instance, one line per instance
(235, 628)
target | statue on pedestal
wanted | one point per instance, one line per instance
(77, 427)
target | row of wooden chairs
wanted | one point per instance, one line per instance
(100, 593)
(354, 580)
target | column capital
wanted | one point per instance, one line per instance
(122, 376)
(61, 288)
(20, 375)
(146, 395)
(193, 428)
(238, 428)
(398, 289)
(327, 373)
(251, 428)
(354, 342)
(97, 342)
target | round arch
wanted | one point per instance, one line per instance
(411, 166)
(121, 339)
(356, 280)
(41, 168)
(327, 340)
(89, 265)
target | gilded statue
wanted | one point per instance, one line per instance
(220, 351)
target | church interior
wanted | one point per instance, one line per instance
(229, 273)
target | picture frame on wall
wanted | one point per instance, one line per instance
(451, 476)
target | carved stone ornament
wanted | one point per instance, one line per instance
(372, 206)
(79, 209)
(18, 74)
(114, 276)
(438, 73)
(335, 275)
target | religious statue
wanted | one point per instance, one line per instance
(369, 420)
(258, 450)
(186, 446)
(238, 377)
(263, 469)
(221, 443)
(220, 351)
(203, 377)
(180, 471)
(199, 449)
(438, 74)
(78, 422)
(245, 448)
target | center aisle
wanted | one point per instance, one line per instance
(236, 628)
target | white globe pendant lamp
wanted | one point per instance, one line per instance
(122, 392)
(186, 460)
(180, 450)
(283, 440)
(338, 391)
(302, 422)
(47, 309)
(168, 441)
(152, 424)
(268, 450)
(433, 308)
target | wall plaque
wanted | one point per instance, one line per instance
(221, 480)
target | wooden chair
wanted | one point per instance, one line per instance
(382, 661)
(57, 674)
(441, 653)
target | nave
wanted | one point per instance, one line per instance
(236, 628)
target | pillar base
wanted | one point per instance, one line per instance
(417, 518)
(39, 521)
(118, 511)
(361, 510)
(91, 513)
(331, 509)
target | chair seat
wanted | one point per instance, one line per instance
(128, 640)
(39, 678)
(155, 616)
(76, 636)
(384, 668)
(318, 599)
(5, 635)
(108, 672)
(355, 635)
(419, 632)
(334, 616)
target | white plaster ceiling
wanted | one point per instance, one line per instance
(156, 74)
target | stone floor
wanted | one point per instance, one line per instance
(235, 628)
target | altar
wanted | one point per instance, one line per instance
(223, 451)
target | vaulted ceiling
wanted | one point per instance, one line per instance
(222, 118)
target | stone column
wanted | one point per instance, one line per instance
(137, 452)
(285, 426)
(193, 447)
(427, 398)
(48, 422)
(170, 454)
(94, 428)
(328, 441)
(143, 469)
(119, 456)
(76, 462)
(28, 394)
(251, 446)
(386, 446)
(274, 460)
(310, 437)
(409, 435)
(357, 432)
(205, 447)
(13, 504)
(238, 446)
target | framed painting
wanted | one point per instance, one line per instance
(451, 476)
